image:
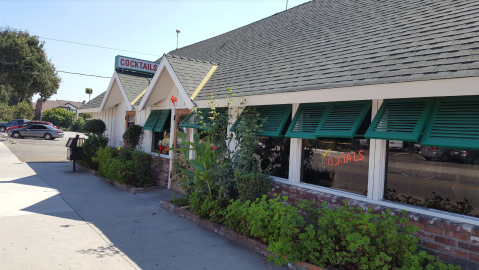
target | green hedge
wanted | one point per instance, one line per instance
(124, 165)
(346, 238)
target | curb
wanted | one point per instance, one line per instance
(126, 187)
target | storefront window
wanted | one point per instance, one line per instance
(439, 178)
(273, 155)
(336, 163)
(161, 141)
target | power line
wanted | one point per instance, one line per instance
(108, 48)
(75, 73)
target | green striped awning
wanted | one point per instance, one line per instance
(453, 122)
(333, 120)
(400, 119)
(192, 121)
(156, 120)
(275, 116)
(162, 121)
(342, 119)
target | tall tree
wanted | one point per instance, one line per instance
(25, 69)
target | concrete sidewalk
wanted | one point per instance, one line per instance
(52, 218)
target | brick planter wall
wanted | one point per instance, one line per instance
(451, 241)
(217, 228)
(160, 172)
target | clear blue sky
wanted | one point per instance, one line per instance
(141, 26)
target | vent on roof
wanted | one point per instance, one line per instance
(453, 122)
(400, 119)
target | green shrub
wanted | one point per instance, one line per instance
(91, 145)
(78, 124)
(133, 135)
(23, 110)
(85, 116)
(116, 170)
(140, 167)
(103, 158)
(6, 112)
(253, 185)
(59, 117)
(96, 126)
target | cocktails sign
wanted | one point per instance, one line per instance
(135, 64)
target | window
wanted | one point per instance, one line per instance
(161, 141)
(336, 163)
(442, 178)
(273, 155)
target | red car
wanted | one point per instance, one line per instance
(30, 123)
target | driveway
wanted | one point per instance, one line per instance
(52, 218)
(32, 149)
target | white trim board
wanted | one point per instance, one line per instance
(165, 65)
(122, 90)
(433, 88)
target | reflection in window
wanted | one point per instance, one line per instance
(161, 140)
(273, 155)
(131, 120)
(439, 178)
(336, 163)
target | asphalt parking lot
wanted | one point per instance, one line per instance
(32, 149)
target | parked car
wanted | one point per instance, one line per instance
(37, 130)
(434, 152)
(31, 123)
(465, 156)
(14, 122)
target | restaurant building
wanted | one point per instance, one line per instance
(372, 102)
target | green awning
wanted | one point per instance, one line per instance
(162, 121)
(306, 120)
(342, 119)
(151, 121)
(400, 119)
(156, 120)
(333, 120)
(454, 123)
(276, 117)
(192, 121)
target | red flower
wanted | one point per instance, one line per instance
(212, 147)
(173, 100)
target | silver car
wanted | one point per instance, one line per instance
(434, 152)
(37, 130)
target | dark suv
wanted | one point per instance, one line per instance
(14, 122)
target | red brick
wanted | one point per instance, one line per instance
(473, 248)
(475, 239)
(474, 257)
(422, 234)
(456, 252)
(441, 256)
(433, 245)
(419, 225)
(433, 229)
(456, 235)
(445, 241)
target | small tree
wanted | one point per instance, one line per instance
(86, 116)
(23, 110)
(96, 126)
(6, 112)
(59, 117)
(133, 135)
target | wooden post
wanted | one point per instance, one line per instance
(175, 129)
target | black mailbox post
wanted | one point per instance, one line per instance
(75, 150)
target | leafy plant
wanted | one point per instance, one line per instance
(91, 145)
(58, 117)
(96, 126)
(253, 185)
(78, 124)
(133, 135)
(23, 110)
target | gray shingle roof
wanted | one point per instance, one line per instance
(329, 43)
(190, 72)
(95, 102)
(134, 84)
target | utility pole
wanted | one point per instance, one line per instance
(286, 4)
(177, 33)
